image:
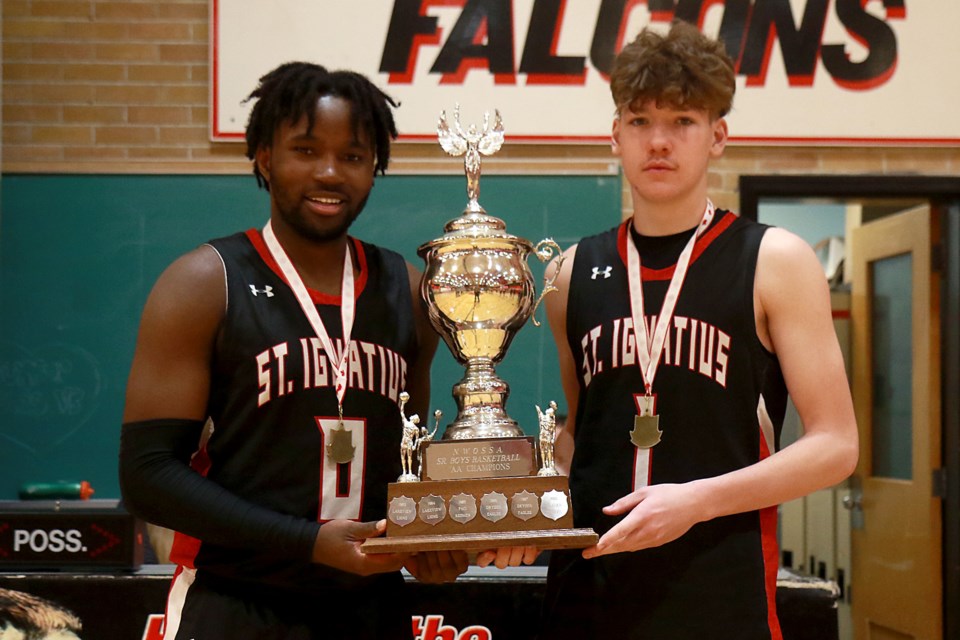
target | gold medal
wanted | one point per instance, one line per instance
(646, 426)
(341, 449)
(646, 431)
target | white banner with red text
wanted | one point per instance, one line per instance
(809, 72)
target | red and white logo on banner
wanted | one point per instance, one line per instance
(154, 628)
(432, 628)
(429, 627)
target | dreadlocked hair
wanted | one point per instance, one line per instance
(290, 92)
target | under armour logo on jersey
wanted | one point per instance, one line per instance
(267, 291)
(601, 272)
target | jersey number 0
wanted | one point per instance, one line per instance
(341, 485)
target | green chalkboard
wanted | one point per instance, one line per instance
(79, 254)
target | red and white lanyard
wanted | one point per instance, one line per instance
(649, 349)
(347, 309)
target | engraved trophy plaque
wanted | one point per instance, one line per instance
(479, 486)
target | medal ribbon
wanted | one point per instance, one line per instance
(347, 308)
(650, 349)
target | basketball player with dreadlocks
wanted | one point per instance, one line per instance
(679, 333)
(295, 342)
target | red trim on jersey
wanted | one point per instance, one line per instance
(771, 553)
(256, 238)
(698, 248)
(185, 548)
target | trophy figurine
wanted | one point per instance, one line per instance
(548, 434)
(479, 487)
(409, 441)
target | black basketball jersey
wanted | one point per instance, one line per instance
(719, 579)
(274, 407)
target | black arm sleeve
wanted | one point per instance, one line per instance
(159, 486)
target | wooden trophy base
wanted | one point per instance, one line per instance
(478, 514)
(550, 539)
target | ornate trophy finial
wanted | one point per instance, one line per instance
(471, 145)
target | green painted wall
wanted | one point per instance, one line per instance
(79, 254)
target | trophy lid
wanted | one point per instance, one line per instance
(473, 227)
(474, 223)
(474, 219)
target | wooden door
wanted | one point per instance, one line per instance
(896, 583)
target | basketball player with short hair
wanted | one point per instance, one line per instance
(680, 333)
(296, 341)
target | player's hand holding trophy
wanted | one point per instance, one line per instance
(480, 486)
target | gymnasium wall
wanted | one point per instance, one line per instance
(108, 173)
(121, 86)
(79, 254)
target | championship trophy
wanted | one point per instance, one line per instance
(480, 486)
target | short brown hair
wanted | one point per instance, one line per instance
(682, 69)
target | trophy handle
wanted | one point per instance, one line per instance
(544, 251)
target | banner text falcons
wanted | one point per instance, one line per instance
(484, 38)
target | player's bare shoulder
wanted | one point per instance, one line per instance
(194, 284)
(204, 262)
(785, 258)
(790, 285)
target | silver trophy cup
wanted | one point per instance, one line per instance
(479, 290)
(478, 488)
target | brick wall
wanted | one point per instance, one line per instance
(108, 86)
(91, 86)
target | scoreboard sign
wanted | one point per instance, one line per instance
(837, 72)
(55, 535)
